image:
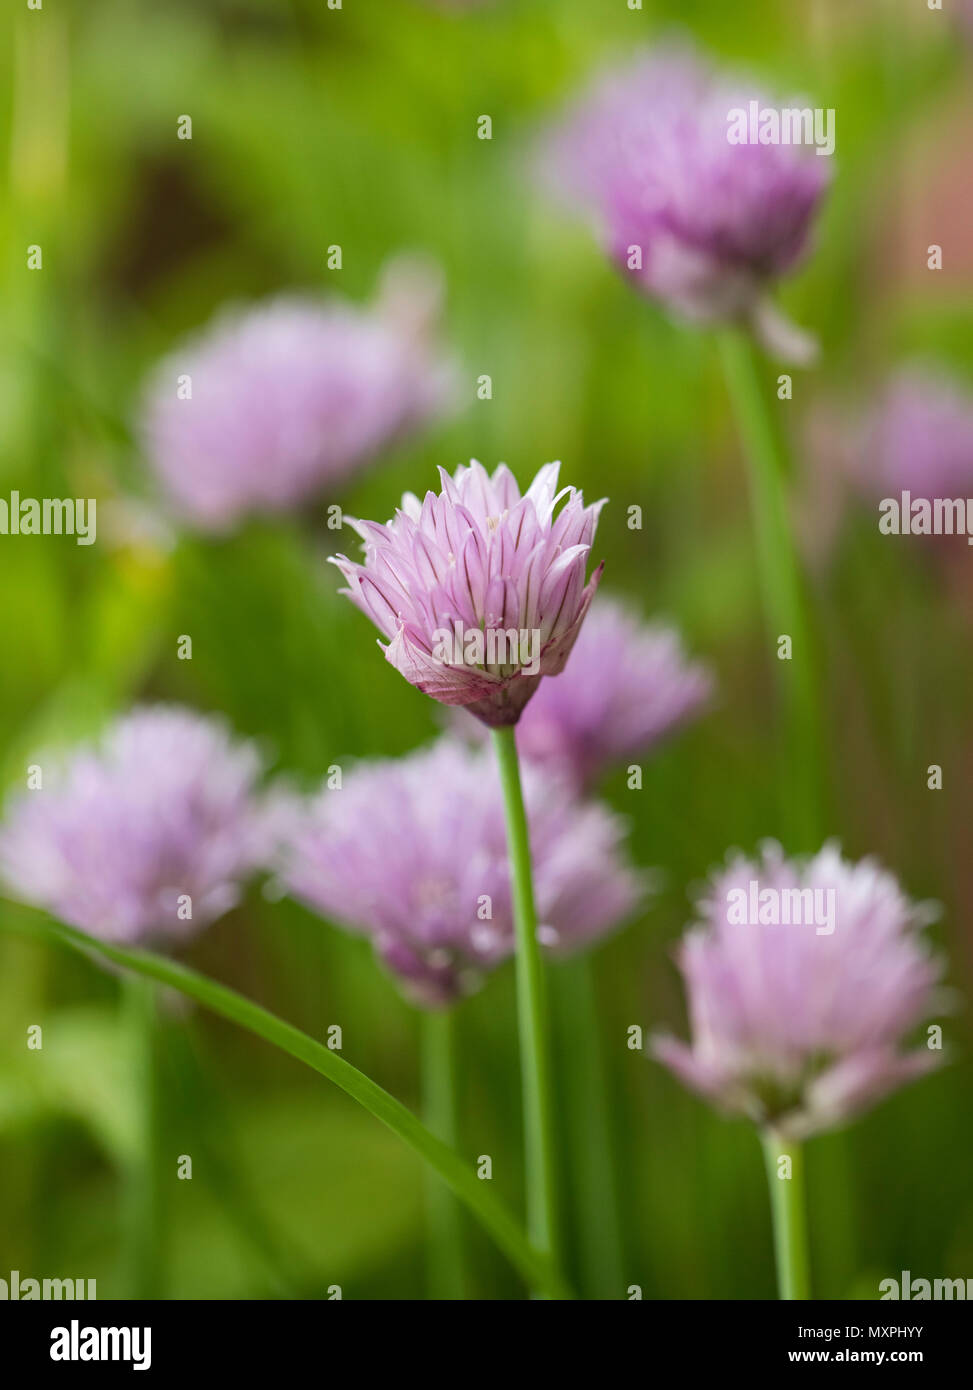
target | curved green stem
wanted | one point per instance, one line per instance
(534, 1265)
(447, 1272)
(788, 1206)
(535, 1062)
(782, 587)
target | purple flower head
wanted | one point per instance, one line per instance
(413, 853)
(701, 223)
(627, 685)
(919, 437)
(127, 837)
(292, 397)
(479, 590)
(803, 979)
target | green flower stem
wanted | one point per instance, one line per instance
(534, 1265)
(142, 1223)
(788, 1206)
(447, 1265)
(535, 1062)
(782, 587)
(600, 1247)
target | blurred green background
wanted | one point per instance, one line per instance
(358, 127)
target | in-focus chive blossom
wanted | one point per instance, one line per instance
(805, 978)
(479, 590)
(705, 225)
(146, 835)
(626, 687)
(277, 404)
(413, 853)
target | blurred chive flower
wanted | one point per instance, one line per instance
(919, 436)
(480, 591)
(145, 836)
(413, 853)
(915, 437)
(795, 1027)
(704, 225)
(627, 687)
(292, 397)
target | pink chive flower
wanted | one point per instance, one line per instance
(413, 854)
(291, 397)
(916, 437)
(129, 836)
(480, 591)
(627, 686)
(702, 224)
(798, 1013)
(919, 437)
